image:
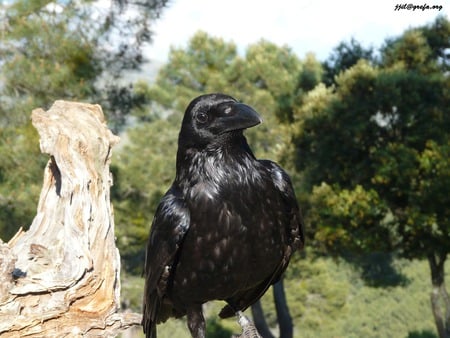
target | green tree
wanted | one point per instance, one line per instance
(59, 49)
(197, 69)
(265, 78)
(376, 150)
(344, 56)
(53, 50)
(310, 75)
(21, 171)
(144, 169)
(424, 48)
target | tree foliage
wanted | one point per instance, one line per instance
(376, 149)
(59, 49)
(21, 171)
(145, 168)
(423, 48)
(374, 131)
(53, 50)
(344, 56)
(266, 76)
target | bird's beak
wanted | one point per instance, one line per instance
(239, 117)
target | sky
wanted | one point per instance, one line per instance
(304, 25)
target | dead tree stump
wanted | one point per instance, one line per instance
(61, 278)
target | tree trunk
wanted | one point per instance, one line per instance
(284, 318)
(440, 301)
(260, 321)
(61, 277)
(283, 315)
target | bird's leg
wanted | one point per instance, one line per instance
(248, 328)
(196, 321)
(242, 319)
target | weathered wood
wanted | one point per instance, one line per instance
(61, 277)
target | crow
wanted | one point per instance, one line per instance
(226, 228)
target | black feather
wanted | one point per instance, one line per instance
(227, 227)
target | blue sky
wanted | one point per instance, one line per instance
(304, 25)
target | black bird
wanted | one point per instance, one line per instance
(227, 226)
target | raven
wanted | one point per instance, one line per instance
(227, 226)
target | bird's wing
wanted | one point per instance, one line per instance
(293, 234)
(294, 226)
(170, 224)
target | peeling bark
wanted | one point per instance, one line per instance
(61, 277)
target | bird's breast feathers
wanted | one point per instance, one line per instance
(212, 174)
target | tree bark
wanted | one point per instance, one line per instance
(260, 321)
(61, 277)
(283, 315)
(284, 318)
(440, 300)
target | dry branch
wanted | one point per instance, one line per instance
(61, 277)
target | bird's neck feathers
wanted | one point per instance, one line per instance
(233, 143)
(207, 161)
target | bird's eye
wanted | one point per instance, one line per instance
(202, 117)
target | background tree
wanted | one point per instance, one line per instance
(376, 149)
(266, 78)
(148, 153)
(344, 56)
(21, 168)
(310, 76)
(59, 50)
(424, 48)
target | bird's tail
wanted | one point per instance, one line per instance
(149, 329)
(150, 312)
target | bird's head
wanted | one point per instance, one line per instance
(211, 118)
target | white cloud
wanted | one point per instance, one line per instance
(305, 25)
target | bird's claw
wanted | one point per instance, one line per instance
(242, 319)
(248, 328)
